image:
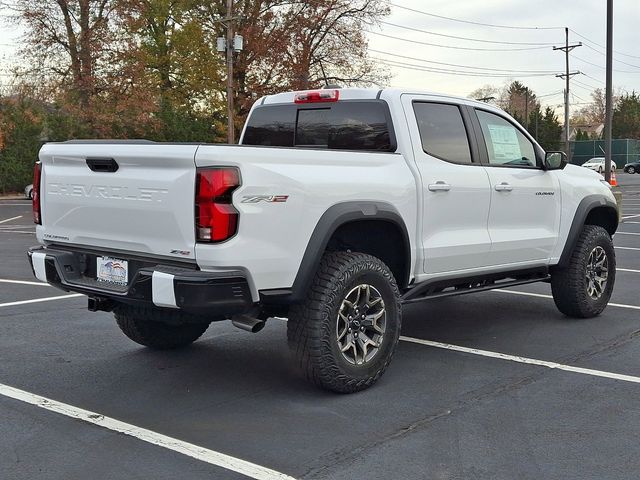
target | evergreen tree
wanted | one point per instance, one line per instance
(626, 117)
(549, 130)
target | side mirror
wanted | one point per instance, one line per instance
(555, 160)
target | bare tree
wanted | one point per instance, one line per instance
(294, 44)
(485, 93)
(66, 38)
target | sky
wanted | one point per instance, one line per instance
(585, 17)
(407, 57)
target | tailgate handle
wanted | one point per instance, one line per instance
(108, 165)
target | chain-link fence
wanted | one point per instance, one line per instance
(624, 151)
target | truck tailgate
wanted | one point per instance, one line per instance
(146, 206)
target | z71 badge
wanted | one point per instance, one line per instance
(264, 198)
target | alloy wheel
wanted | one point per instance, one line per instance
(361, 324)
(597, 272)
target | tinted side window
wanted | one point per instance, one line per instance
(506, 145)
(271, 126)
(346, 125)
(442, 131)
(361, 126)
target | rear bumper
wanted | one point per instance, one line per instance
(219, 294)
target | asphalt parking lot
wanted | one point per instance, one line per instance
(496, 385)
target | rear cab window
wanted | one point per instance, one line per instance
(343, 125)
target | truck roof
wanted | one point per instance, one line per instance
(365, 94)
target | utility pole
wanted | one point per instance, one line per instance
(526, 109)
(229, 44)
(608, 134)
(229, 49)
(567, 75)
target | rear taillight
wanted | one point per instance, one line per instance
(216, 218)
(317, 96)
(35, 193)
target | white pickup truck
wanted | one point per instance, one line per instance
(338, 207)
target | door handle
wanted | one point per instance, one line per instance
(503, 187)
(439, 186)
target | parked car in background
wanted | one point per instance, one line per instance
(632, 167)
(597, 164)
(28, 191)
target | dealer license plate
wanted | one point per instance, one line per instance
(112, 270)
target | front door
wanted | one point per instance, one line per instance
(525, 199)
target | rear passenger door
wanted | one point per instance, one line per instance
(455, 186)
(525, 199)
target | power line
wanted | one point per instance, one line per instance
(549, 94)
(593, 78)
(475, 49)
(424, 68)
(586, 88)
(602, 46)
(603, 68)
(465, 38)
(586, 85)
(471, 22)
(503, 70)
(512, 27)
(574, 95)
(615, 59)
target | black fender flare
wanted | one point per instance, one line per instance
(336, 216)
(587, 204)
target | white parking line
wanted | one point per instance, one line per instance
(630, 216)
(24, 282)
(627, 270)
(38, 300)
(10, 219)
(212, 457)
(530, 361)
(626, 248)
(2, 204)
(632, 222)
(626, 233)
(540, 295)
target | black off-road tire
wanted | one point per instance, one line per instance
(158, 329)
(569, 284)
(312, 326)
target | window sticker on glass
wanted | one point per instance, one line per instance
(506, 146)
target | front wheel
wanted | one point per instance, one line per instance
(583, 288)
(344, 334)
(631, 170)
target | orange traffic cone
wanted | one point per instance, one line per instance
(613, 182)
